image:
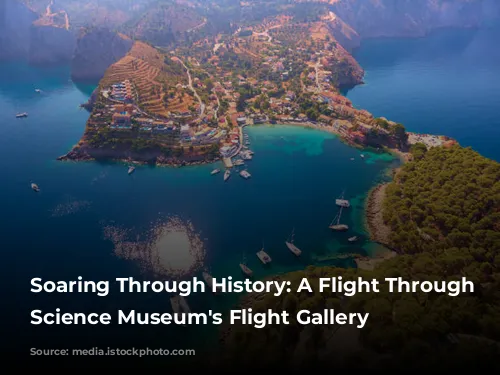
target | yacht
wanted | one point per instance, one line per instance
(342, 202)
(179, 305)
(245, 175)
(21, 115)
(247, 271)
(35, 187)
(289, 243)
(352, 239)
(131, 169)
(209, 280)
(335, 224)
(264, 257)
(239, 162)
(215, 171)
(227, 174)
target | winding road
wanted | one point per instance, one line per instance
(190, 84)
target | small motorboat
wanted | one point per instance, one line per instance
(352, 239)
(131, 169)
(215, 171)
(362, 156)
(22, 115)
(38, 91)
(35, 187)
(227, 174)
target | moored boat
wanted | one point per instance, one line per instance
(209, 280)
(21, 115)
(227, 174)
(335, 224)
(291, 246)
(352, 239)
(131, 169)
(35, 187)
(215, 171)
(245, 174)
(264, 257)
(247, 271)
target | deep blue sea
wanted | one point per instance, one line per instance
(94, 220)
(446, 83)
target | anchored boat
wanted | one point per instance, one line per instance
(294, 249)
(35, 187)
(264, 257)
(335, 224)
(215, 171)
(342, 202)
(21, 115)
(131, 169)
(352, 239)
(227, 174)
(245, 174)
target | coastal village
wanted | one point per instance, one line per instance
(190, 105)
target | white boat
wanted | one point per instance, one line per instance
(294, 249)
(264, 257)
(352, 239)
(209, 280)
(179, 305)
(227, 174)
(35, 187)
(21, 115)
(352, 159)
(131, 169)
(342, 202)
(247, 271)
(335, 224)
(362, 156)
(38, 91)
(239, 162)
(245, 175)
(215, 171)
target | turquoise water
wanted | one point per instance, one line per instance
(93, 220)
(447, 83)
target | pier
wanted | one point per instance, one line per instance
(227, 162)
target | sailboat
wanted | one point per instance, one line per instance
(342, 202)
(335, 224)
(294, 249)
(209, 280)
(263, 256)
(244, 268)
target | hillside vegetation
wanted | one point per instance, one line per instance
(451, 195)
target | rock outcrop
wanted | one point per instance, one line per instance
(96, 50)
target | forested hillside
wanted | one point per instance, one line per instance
(443, 209)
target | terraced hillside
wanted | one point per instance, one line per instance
(152, 75)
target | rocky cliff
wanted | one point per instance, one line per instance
(23, 37)
(49, 44)
(389, 18)
(96, 50)
(15, 30)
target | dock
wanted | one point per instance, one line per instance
(227, 162)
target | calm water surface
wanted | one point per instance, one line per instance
(447, 83)
(95, 221)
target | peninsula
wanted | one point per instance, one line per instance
(187, 105)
